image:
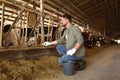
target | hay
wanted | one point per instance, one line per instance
(3, 76)
(42, 69)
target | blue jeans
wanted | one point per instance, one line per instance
(62, 50)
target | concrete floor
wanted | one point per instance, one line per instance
(102, 64)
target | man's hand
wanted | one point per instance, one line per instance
(71, 52)
(46, 44)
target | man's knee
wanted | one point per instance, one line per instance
(67, 58)
(61, 49)
(58, 47)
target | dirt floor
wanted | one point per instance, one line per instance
(102, 64)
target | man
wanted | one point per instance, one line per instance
(70, 46)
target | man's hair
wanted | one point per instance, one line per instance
(67, 16)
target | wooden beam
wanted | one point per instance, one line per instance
(80, 17)
(42, 20)
(26, 28)
(2, 24)
(82, 12)
(82, 3)
(25, 7)
(55, 11)
(66, 5)
(96, 5)
(63, 10)
(7, 15)
(7, 19)
(10, 11)
(59, 13)
(106, 9)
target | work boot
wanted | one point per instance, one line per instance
(80, 65)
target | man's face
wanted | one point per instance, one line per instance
(63, 21)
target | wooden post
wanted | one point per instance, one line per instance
(51, 30)
(35, 35)
(26, 28)
(21, 31)
(48, 32)
(22, 24)
(59, 29)
(19, 6)
(104, 27)
(42, 21)
(2, 23)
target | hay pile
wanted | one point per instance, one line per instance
(44, 68)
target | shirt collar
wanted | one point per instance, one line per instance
(69, 27)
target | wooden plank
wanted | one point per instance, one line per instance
(23, 25)
(27, 52)
(10, 11)
(2, 24)
(49, 25)
(25, 7)
(83, 3)
(42, 21)
(7, 19)
(51, 30)
(7, 15)
(26, 28)
(20, 24)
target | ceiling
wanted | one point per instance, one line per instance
(101, 15)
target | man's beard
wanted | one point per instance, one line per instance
(64, 25)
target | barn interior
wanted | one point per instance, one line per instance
(26, 24)
(33, 18)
